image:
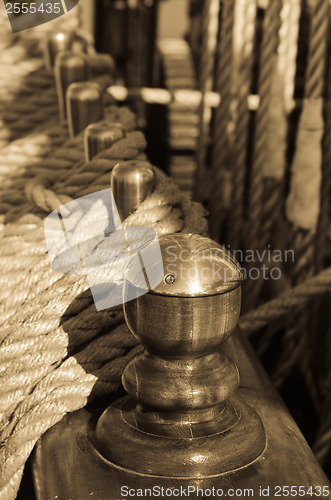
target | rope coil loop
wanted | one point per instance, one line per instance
(60, 350)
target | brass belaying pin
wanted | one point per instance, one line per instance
(131, 183)
(84, 104)
(100, 136)
(69, 67)
(55, 42)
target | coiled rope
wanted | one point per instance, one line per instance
(29, 149)
(20, 117)
(52, 172)
(17, 160)
(52, 370)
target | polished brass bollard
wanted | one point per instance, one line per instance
(131, 183)
(100, 136)
(84, 106)
(182, 417)
(185, 427)
(55, 42)
(69, 67)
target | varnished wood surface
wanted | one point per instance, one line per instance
(67, 467)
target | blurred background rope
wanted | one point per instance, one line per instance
(221, 144)
(241, 127)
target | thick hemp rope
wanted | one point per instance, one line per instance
(21, 74)
(26, 112)
(27, 150)
(61, 364)
(17, 160)
(58, 166)
(66, 165)
(286, 303)
(51, 369)
(67, 386)
(21, 107)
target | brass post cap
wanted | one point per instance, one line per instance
(69, 67)
(54, 43)
(193, 265)
(100, 136)
(131, 182)
(84, 105)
